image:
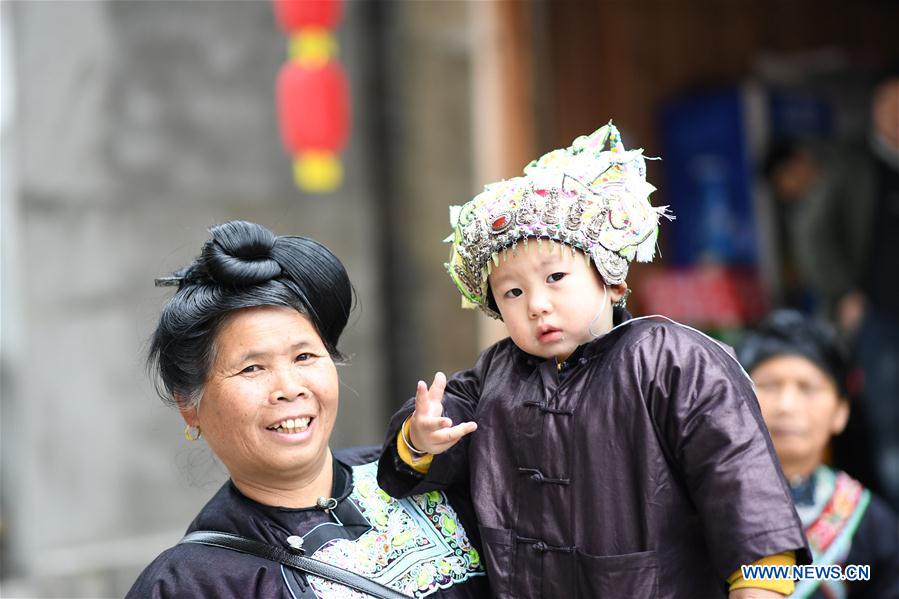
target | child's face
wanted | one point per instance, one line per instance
(550, 299)
(802, 408)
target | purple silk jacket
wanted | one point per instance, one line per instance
(640, 469)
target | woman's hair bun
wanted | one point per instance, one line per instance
(239, 253)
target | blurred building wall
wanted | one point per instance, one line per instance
(621, 59)
(134, 127)
(137, 125)
(427, 52)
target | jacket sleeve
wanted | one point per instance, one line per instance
(711, 429)
(200, 571)
(460, 402)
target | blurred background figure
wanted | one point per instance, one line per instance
(790, 170)
(801, 373)
(128, 128)
(850, 252)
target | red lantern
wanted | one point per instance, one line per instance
(293, 15)
(312, 92)
(314, 107)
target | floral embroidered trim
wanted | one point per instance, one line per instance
(416, 546)
(830, 534)
(846, 498)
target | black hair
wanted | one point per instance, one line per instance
(787, 332)
(243, 265)
(779, 154)
(887, 72)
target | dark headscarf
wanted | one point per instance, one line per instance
(787, 332)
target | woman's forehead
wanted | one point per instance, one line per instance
(265, 328)
(792, 365)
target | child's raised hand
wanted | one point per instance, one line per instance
(429, 429)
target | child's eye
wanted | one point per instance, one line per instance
(555, 277)
(514, 292)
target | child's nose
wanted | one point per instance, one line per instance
(539, 305)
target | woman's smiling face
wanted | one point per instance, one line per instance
(270, 400)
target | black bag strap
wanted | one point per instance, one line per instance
(293, 560)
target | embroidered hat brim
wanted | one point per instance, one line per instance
(585, 196)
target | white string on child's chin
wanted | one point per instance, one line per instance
(602, 308)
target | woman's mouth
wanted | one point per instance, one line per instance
(292, 425)
(787, 431)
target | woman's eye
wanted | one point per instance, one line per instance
(303, 357)
(809, 389)
(251, 368)
(555, 277)
(515, 292)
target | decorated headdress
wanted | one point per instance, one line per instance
(586, 197)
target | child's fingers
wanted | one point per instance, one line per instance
(451, 435)
(437, 387)
(424, 405)
(429, 424)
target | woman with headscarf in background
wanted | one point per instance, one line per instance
(800, 371)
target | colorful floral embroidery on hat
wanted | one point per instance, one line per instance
(590, 198)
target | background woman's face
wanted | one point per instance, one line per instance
(270, 401)
(801, 406)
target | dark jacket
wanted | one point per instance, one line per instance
(640, 468)
(191, 570)
(876, 543)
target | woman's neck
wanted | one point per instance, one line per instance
(301, 492)
(799, 469)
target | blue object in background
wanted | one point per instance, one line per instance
(707, 180)
(797, 116)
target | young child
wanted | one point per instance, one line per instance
(801, 373)
(614, 457)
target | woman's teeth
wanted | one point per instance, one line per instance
(292, 425)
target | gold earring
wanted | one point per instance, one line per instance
(189, 434)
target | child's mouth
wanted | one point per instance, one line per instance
(549, 335)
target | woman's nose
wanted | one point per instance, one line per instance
(787, 398)
(289, 386)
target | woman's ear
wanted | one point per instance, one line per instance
(617, 291)
(189, 411)
(840, 416)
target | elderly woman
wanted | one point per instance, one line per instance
(800, 373)
(246, 350)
